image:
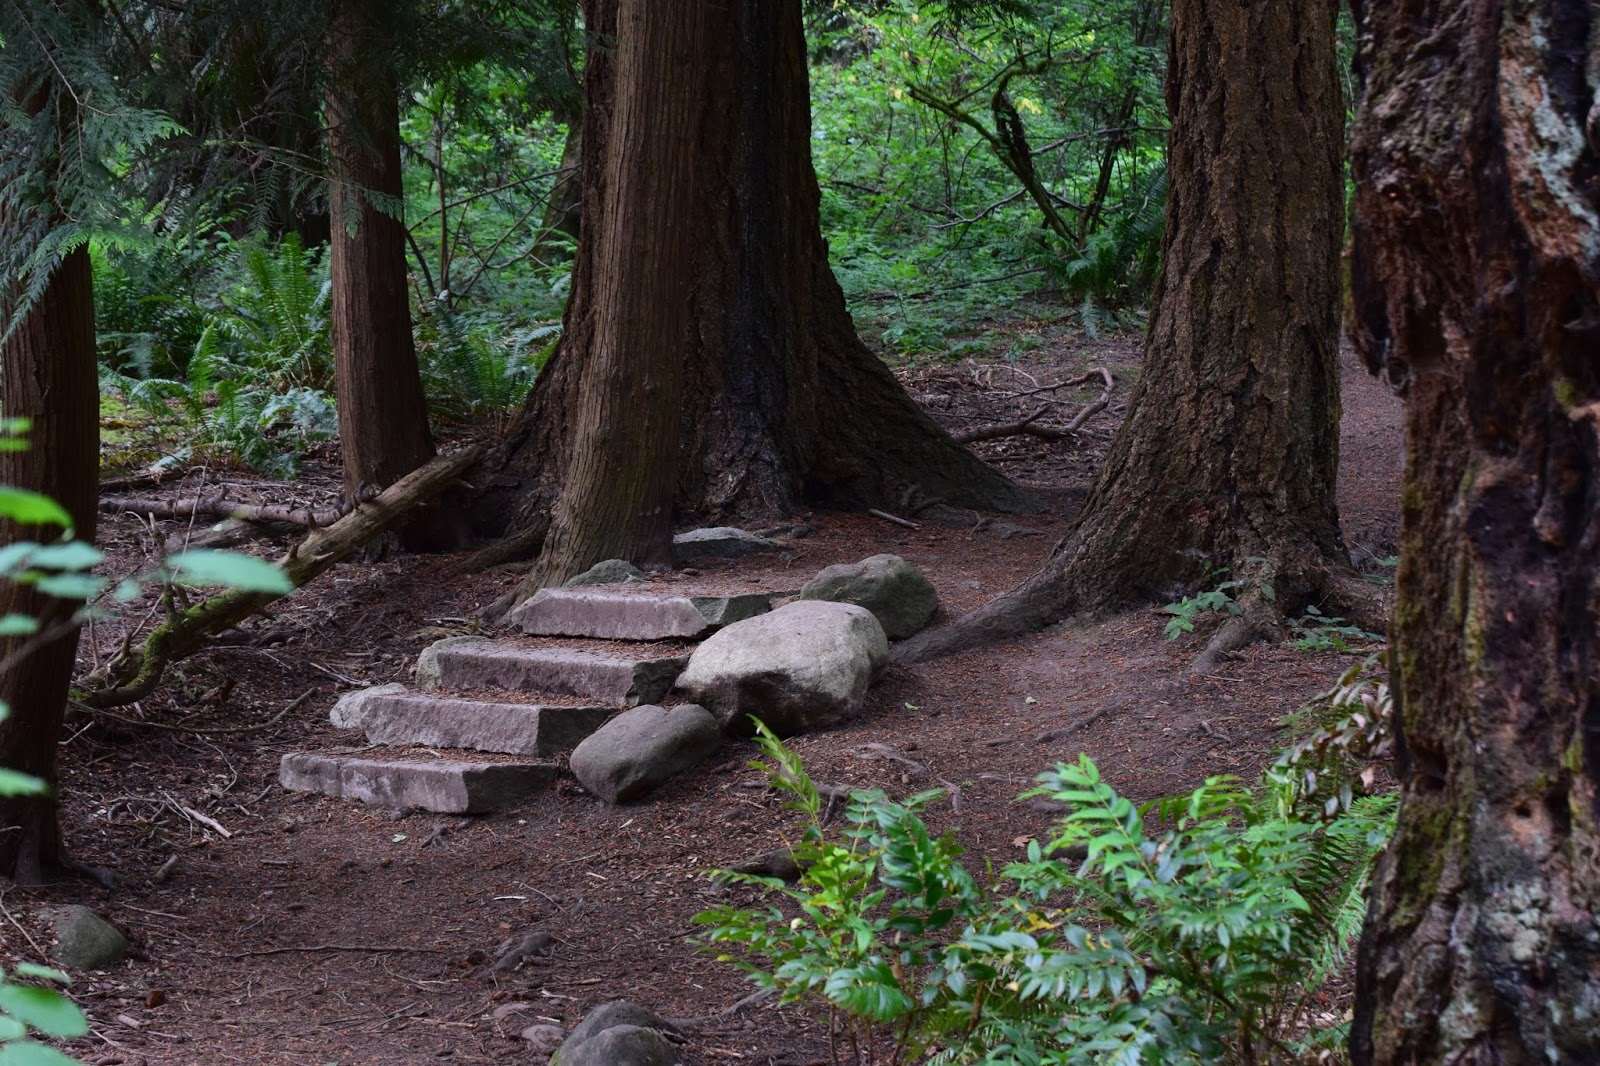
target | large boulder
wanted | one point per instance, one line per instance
(618, 1034)
(891, 588)
(84, 940)
(638, 751)
(803, 666)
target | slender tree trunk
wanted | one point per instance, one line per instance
(781, 404)
(383, 416)
(563, 213)
(1477, 283)
(1228, 455)
(47, 375)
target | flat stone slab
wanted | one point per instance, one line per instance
(443, 786)
(476, 664)
(616, 614)
(392, 714)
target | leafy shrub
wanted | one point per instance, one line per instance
(1315, 631)
(1215, 601)
(1196, 929)
(470, 369)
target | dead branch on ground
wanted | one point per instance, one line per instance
(1031, 426)
(218, 506)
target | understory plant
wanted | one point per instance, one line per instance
(1195, 929)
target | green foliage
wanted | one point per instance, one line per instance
(33, 1008)
(1195, 929)
(471, 369)
(1315, 631)
(1219, 600)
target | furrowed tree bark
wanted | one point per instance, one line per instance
(1477, 290)
(781, 405)
(616, 499)
(1228, 456)
(48, 375)
(383, 415)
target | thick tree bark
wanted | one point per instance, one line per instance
(1230, 448)
(1477, 274)
(383, 416)
(781, 404)
(47, 374)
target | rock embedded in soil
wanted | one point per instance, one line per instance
(478, 664)
(543, 1040)
(896, 592)
(618, 1033)
(442, 786)
(804, 666)
(609, 572)
(640, 750)
(719, 542)
(84, 940)
(620, 614)
(393, 714)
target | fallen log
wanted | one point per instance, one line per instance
(134, 674)
(218, 506)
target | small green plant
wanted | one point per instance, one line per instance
(26, 1009)
(1197, 929)
(1315, 631)
(1216, 601)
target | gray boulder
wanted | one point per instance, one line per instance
(803, 666)
(618, 1034)
(891, 588)
(84, 940)
(719, 542)
(638, 751)
(609, 572)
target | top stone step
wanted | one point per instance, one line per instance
(624, 614)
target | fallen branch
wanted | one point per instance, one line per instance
(218, 506)
(133, 675)
(1031, 426)
(373, 949)
(895, 519)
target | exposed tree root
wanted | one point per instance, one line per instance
(132, 675)
(1031, 426)
(1260, 620)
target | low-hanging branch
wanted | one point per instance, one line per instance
(218, 506)
(133, 675)
(1032, 427)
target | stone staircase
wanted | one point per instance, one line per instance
(489, 718)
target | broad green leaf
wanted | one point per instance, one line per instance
(230, 569)
(43, 973)
(18, 625)
(30, 508)
(43, 1009)
(28, 1053)
(70, 586)
(68, 555)
(15, 784)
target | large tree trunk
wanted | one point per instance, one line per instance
(1228, 455)
(1477, 273)
(383, 416)
(781, 404)
(47, 375)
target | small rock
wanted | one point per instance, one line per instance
(84, 940)
(609, 572)
(891, 588)
(640, 750)
(543, 1040)
(803, 666)
(618, 1033)
(513, 953)
(719, 542)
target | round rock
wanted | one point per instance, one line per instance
(896, 592)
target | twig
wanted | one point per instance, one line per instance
(25, 934)
(887, 517)
(203, 731)
(312, 949)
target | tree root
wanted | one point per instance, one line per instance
(1031, 426)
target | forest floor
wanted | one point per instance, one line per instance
(241, 940)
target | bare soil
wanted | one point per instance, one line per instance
(322, 932)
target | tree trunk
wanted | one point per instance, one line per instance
(563, 212)
(781, 404)
(47, 374)
(383, 416)
(1477, 283)
(1229, 452)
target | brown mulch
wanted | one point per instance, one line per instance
(394, 921)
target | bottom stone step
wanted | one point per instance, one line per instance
(391, 714)
(440, 785)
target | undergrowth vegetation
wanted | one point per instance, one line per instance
(1199, 928)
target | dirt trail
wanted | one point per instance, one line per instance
(427, 900)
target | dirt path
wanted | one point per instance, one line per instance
(427, 900)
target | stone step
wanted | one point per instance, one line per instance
(475, 664)
(392, 714)
(619, 614)
(444, 786)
